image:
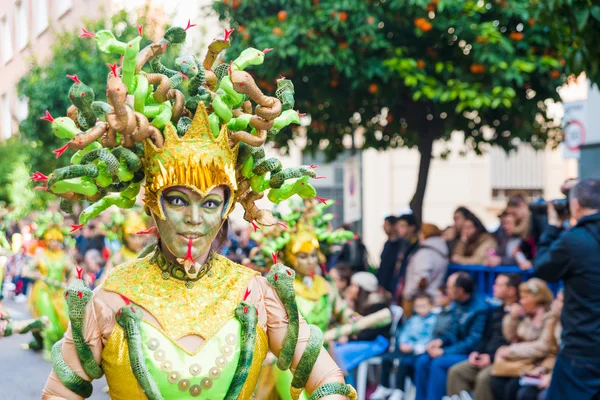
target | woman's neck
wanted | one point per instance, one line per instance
(201, 259)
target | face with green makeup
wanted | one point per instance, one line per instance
(189, 215)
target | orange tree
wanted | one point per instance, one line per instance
(408, 72)
(578, 29)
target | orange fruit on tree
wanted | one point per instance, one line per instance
(373, 88)
(563, 62)
(246, 35)
(315, 2)
(555, 74)
(344, 45)
(282, 15)
(481, 39)
(370, 20)
(236, 3)
(333, 83)
(277, 31)
(420, 64)
(343, 16)
(241, 28)
(516, 36)
(477, 68)
(531, 21)
(226, 2)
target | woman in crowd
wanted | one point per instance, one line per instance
(527, 326)
(508, 243)
(452, 233)
(427, 268)
(543, 370)
(475, 242)
(365, 298)
(340, 275)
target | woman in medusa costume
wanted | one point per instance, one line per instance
(50, 268)
(182, 321)
(131, 229)
(302, 238)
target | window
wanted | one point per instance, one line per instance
(62, 6)
(6, 36)
(22, 109)
(5, 122)
(41, 16)
(22, 25)
(520, 172)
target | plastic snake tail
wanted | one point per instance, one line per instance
(247, 314)
(129, 318)
(333, 388)
(282, 279)
(70, 379)
(78, 296)
(307, 361)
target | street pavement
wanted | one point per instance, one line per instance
(23, 373)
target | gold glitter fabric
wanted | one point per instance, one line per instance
(201, 309)
(318, 290)
(124, 386)
(198, 161)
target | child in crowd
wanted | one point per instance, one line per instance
(444, 314)
(410, 342)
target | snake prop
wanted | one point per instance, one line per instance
(107, 135)
(247, 314)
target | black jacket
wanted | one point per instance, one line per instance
(387, 266)
(370, 334)
(574, 257)
(443, 323)
(492, 335)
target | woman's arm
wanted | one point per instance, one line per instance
(99, 319)
(273, 316)
(509, 327)
(534, 349)
(480, 253)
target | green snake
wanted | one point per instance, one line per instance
(70, 379)
(309, 358)
(282, 279)
(130, 318)
(333, 388)
(247, 314)
(83, 99)
(77, 296)
(190, 66)
(285, 94)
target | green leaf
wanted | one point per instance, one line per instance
(596, 12)
(496, 103)
(439, 67)
(581, 16)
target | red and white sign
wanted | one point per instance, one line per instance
(575, 127)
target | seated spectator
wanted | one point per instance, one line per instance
(408, 229)
(340, 275)
(452, 233)
(468, 323)
(427, 267)
(389, 255)
(475, 242)
(354, 252)
(444, 315)
(410, 342)
(527, 326)
(543, 370)
(366, 298)
(508, 243)
(473, 375)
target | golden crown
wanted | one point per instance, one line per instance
(198, 160)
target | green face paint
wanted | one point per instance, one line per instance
(189, 215)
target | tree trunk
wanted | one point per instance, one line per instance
(425, 146)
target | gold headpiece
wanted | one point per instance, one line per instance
(303, 239)
(53, 233)
(198, 161)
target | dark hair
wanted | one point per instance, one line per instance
(516, 200)
(465, 282)
(221, 237)
(473, 241)
(463, 210)
(443, 289)
(409, 219)
(514, 280)
(361, 303)
(587, 192)
(391, 219)
(423, 295)
(344, 271)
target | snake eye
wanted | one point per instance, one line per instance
(66, 294)
(80, 295)
(132, 309)
(246, 310)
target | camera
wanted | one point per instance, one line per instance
(539, 206)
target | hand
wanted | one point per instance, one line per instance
(343, 340)
(553, 218)
(484, 361)
(516, 311)
(474, 358)
(435, 352)
(525, 265)
(406, 348)
(502, 352)
(546, 378)
(537, 372)
(455, 259)
(436, 343)
(493, 261)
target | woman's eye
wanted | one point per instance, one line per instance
(211, 204)
(176, 201)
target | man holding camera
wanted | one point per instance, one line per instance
(574, 257)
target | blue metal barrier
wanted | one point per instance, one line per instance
(485, 276)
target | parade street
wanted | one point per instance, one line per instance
(23, 373)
